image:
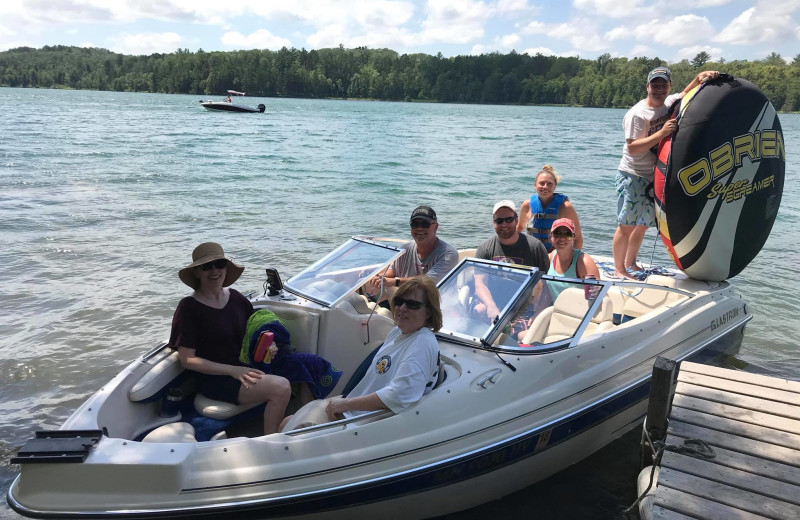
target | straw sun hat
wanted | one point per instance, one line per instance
(204, 253)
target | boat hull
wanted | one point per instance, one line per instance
(223, 106)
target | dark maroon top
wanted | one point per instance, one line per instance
(215, 334)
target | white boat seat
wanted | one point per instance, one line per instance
(362, 305)
(164, 371)
(302, 325)
(564, 317)
(219, 409)
(641, 302)
(466, 253)
(172, 432)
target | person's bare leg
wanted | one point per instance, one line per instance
(634, 243)
(273, 390)
(619, 248)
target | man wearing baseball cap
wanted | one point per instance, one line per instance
(645, 125)
(426, 254)
(510, 246)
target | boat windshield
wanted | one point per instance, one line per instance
(511, 308)
(342, 271)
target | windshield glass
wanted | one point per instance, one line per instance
(342, 271)
(477, 294)
(514, 307)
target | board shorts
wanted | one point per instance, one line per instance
(634, 207)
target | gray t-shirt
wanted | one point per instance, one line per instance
(437, 264)
(526, 251)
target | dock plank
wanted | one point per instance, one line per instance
(731, 411)
(744, 480)
(736, 375)
(738, 387)
(735, 427)
(659, 513)
(752, 403)
(749, 463)
(734, 443)
(693, 506)
(726, 495)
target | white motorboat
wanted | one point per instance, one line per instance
(562, 371)
(233, 103)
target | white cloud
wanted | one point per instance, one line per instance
(642, 50)
(535, 27)
(618, 33)
(511, 6)
(145, 43)
(533, 51)
(615, 8)
(579, 32)
(455, 21)
(679, 31)
(688, 53)
(260, 39)
(758, 25)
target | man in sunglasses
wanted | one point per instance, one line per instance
(509, 246)
(425, 254)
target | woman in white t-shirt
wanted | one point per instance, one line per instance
(404, 368)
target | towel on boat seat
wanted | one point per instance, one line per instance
(320, 376)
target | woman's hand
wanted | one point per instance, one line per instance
(246, 375)
(336, 407)
(273, 349)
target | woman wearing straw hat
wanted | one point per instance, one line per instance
(207, 330)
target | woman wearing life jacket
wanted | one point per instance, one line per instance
(536, 215)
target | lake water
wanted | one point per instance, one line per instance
(103, 195)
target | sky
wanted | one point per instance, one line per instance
(671, 30)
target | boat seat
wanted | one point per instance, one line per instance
(219, 409)
(562, 319)
(302, 325)
(648, 299)
(166, 369)
(172, 432)
(362, 305)
(466, 253)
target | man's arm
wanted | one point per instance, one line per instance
(700, 78)
(485, 296)
(641, 145)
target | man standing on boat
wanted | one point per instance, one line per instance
(510, 246)
(645, 125)
(425, 254)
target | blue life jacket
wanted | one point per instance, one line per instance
(542, 218)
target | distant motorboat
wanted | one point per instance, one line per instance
(232, 104)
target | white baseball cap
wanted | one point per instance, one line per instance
(505, 204)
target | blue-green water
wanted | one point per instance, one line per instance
(103, 196)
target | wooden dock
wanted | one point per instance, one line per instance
(752, 423)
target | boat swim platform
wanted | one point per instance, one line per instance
(752, 424)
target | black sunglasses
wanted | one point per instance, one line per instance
(504, 220)
(420, 223)
(413, 305)
(561, 234)
(214, 264)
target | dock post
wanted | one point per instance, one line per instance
(662, 388)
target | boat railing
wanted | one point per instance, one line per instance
(376, 414)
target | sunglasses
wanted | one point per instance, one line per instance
(214, 264)
(504, 220)
(420, 223)
(561, 234)
(413, 305)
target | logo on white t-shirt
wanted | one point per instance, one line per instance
(383, 364)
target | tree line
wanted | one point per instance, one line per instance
(383, 74)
